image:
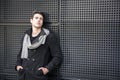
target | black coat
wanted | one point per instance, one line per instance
(47, 55)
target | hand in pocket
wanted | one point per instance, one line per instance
(39, 72)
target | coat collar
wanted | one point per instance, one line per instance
(29, 32)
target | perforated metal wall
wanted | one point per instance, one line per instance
(20, 10)
(90, 38)
(89, 32)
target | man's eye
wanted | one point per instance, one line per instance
(36, 17)
(41, 18)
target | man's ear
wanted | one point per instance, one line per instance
(30, 20)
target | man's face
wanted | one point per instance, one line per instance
(37, 21)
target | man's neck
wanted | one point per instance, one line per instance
(35, 31)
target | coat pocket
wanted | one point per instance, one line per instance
(39, 73)
(21, 73)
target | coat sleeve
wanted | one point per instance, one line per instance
(55, 53)
(19, 60)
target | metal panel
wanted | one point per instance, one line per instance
(14, 20)
(90, 39)
(20, 10)
(89, 36)
(2, 42)
(11, 38)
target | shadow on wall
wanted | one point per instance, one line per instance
(2, 77)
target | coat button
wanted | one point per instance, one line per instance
(33, 59)
(26, 68)
(34, 50)
(28, 59)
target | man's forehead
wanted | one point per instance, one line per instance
(39, 15)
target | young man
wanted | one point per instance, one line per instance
(40, 52)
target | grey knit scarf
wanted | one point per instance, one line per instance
(27, 43)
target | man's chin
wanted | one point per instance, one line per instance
(38, 26)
